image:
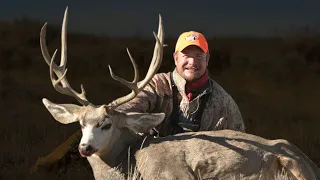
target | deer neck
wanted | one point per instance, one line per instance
(101, 170)
(117, 157)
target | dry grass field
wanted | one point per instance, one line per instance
(275, 81)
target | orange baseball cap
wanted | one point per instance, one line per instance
(192, 38)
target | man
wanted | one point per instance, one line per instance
(191, 100)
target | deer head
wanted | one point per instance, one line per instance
(101, 125)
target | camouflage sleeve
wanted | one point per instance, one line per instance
(150, 98)
(234, 117)
(143, 102)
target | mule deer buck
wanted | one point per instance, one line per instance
(108, 134)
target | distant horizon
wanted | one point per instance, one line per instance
(139, 18)
(150, 36)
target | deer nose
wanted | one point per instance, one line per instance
(86, 150)
(85, 147)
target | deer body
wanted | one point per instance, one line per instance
(108, 134)
(223, 154)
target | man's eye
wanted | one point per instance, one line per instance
(106, 127)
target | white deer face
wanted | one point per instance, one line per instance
(100, 130)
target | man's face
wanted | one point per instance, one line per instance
(191, 63)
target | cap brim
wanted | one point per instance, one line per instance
(195, 44)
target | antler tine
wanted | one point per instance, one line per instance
(60, 71)
(63, 62)
(136, 86)
(155, 62)
(157, 56)
(154, 65)
(132, 85)
(44, 49)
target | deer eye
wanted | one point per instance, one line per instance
(106, 127)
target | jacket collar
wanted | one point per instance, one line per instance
(180, 82)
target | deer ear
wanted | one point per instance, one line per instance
(143, 122)
(64, 113)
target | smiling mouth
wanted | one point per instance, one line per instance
(191, 68)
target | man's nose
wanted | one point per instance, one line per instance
(191, 60)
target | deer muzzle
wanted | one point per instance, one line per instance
(86, 150)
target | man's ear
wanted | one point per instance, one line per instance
(175, 57)
(142, 122)
(208, 57)
(64, 113)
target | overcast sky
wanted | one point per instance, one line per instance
(128, 17)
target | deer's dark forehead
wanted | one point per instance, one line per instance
(93, 122)
(92, 117)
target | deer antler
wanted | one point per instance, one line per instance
(60, 71)
(136, 86)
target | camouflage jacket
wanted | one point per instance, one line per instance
(157, 96)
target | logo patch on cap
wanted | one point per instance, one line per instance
(192, 37)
